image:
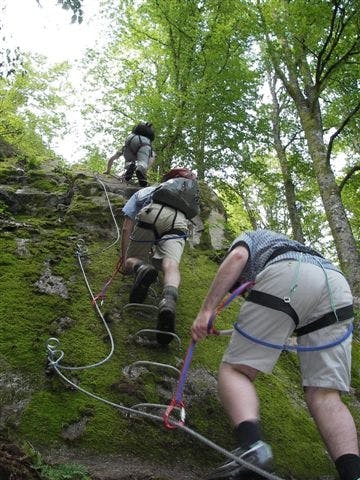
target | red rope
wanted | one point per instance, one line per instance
(102, 294)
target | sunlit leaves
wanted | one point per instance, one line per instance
(30, 109)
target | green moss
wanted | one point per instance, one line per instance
(49, 185)
(28, 318)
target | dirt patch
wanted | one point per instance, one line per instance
(16, 465)
(117, 467)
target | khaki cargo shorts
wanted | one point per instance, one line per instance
(311, 299)
(142, 244)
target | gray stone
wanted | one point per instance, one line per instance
(52, 284)
(216, 229)
(75, 430)
(61, 324)
(21, 247)
(15, 395)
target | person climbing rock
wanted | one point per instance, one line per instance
(157, 218)
(138, 153)
(296, 289)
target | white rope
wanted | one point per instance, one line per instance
(55, 356)
(128, 410)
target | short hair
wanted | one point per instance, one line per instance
(179, 172)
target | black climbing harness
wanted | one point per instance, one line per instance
(281, 305)
(175, 232)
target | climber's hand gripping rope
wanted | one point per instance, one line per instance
(177, 401)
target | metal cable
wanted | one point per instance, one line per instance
(98, 179)
(53, 342)
(156, 418)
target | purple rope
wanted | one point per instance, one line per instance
(181, 383)
(184, 372)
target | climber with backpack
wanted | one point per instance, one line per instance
(154, 232)
(137, 152)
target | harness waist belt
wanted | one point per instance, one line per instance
(150, 226)
(276, 303)
(294, 248)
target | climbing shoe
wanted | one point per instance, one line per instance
(129, 172)
(259, 455)
(141, 178)
(145, 276)
(166, 320)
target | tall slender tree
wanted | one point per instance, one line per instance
(286, 170)
(313, 47)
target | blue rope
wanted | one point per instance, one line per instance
(294, 347)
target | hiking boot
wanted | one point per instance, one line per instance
(129, 172)
(166, 320)
(145, 276)
(259, 455)
(141, 178)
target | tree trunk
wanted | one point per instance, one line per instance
(285, 170)
(340, 228)
(249, 210)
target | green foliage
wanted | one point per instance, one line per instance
(30, 114)
(65, 471)
(350, 195)
(94, 161)
(185, 60)
(237, 216)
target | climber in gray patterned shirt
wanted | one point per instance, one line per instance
(295, 290)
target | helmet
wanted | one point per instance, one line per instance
(178, 172)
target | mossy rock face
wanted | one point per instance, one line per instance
(25, 192)
(50, 413)
(7, 151)
(16, 390)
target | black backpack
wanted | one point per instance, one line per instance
(180, 193)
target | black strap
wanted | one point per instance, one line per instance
(344, 313)
(276, 303)
(174, 219)
(294, 248)
(174, 231)
(146, 226)
(270, 301)
(150, 226)
(141, 144)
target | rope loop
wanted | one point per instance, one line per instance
(177, 398)
(81, 248)
(102, 294)
(54, 355)
(175, 404)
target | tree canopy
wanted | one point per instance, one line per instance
(260, 98)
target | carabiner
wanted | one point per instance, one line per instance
(173, 404)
